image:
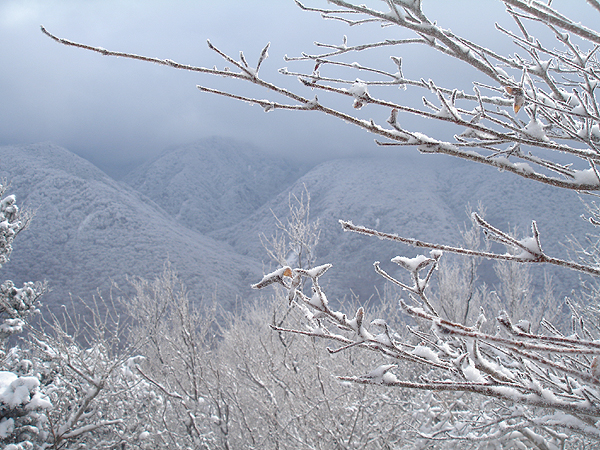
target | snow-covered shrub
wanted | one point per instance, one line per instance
(83, 363)
(220, 379)
(183, 405)
(16, 304)
(60, 383)
(227, 381)
(22, 402)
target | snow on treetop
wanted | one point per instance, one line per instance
(5, 379)
(15, 391)
(11, 326)
(8, 204)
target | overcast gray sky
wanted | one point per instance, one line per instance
(117, 111)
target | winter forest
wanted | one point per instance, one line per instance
(483, 338)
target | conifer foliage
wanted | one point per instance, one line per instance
(22, 402)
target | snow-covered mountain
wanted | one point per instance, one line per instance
(89, 230)
(213, 183)
(413, 198)
(203, 206)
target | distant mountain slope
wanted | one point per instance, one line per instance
(89, 229)
(410, 197)
(372, 192)
(213, 183)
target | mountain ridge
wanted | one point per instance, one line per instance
(212, 183)
(406, 196)
(90, 229)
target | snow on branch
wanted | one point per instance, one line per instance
(530, 248)
(549, 15)
(547, 385)
(554, 89)
(552, 372)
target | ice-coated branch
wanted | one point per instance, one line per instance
(527, 341)
(548, 15)
(595, 4)
(90, 427)
(317, 310)
(163, 62)
(534, 370)
(163, 389)
(530, 253)
(514, 366)
(572, 116)
(511, 393)
(414, 266)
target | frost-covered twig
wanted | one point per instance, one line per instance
(529, 254)
(507, 368)
(568, 115)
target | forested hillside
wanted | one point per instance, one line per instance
(89, 230)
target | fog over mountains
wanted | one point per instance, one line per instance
(202, 207)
